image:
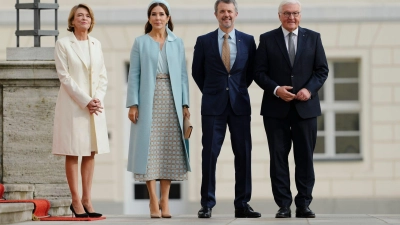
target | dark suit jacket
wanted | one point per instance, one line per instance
(214, 81)
(273, 68)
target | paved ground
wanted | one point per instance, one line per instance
(225, 219)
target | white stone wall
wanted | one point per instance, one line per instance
(190, 3)
(377, 46)
(378, 174)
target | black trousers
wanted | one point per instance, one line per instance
(214, 129)
(281, 133)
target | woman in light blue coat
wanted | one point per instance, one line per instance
(158, 100)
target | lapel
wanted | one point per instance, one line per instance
(215, 47)
(171, 37)
(280, 39)
(91, 52)
(239, 46)
(76, 48)
(301, 43)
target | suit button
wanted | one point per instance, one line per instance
(227, 89)
(292, 76)
(229, 75)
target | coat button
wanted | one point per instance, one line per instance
(227, 89)
(229, 75)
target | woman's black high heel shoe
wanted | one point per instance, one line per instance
(92, 214)
(83, 215)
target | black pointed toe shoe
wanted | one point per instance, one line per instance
(83, 215)
(92, 214)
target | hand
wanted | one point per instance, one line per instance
(98, 103)
(133, 114)
(94, 106)
(303, 95)
(186, 112)
(284, 94)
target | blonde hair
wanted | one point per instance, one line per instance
(71, 17)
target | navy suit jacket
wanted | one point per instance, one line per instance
(214, 81)
(273, 68)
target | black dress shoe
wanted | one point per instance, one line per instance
(246, 212)
(304, 212)
(284, 212)
(204, 212)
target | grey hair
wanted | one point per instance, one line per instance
(287, 2)
(227, 2)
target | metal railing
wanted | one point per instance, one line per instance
(37, 33)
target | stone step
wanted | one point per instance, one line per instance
(18, 212)
(59, 206)
(15, 212)
(58, 195)
(18, 191)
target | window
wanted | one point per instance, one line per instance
(140, 190)
(175, 191)
(127, 65)
(338, 135)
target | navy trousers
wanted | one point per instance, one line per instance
(281, 133)
(214, 129)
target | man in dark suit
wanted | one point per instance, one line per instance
(291, 67)
(223, 69)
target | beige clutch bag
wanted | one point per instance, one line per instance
(187, 128)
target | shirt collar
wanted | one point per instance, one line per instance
(231, 34)
(286, 32)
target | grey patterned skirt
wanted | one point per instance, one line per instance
(166, 158)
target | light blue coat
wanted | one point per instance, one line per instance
(141, 86)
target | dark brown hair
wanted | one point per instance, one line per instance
(227, 2)
(71, 17)
(148, 27)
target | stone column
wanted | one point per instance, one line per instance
(28, 92)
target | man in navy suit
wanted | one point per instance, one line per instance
(291, 67)
(223, 70)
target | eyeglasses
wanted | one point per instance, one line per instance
(287, 14)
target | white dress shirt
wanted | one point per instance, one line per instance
(286, 36)
(231, 42)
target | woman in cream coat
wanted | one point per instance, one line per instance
(80, 125)
(158, 99)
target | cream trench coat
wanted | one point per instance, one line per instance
(74, 133)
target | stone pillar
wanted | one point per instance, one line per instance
(28, 92)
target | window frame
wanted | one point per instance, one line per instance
(330, 107)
